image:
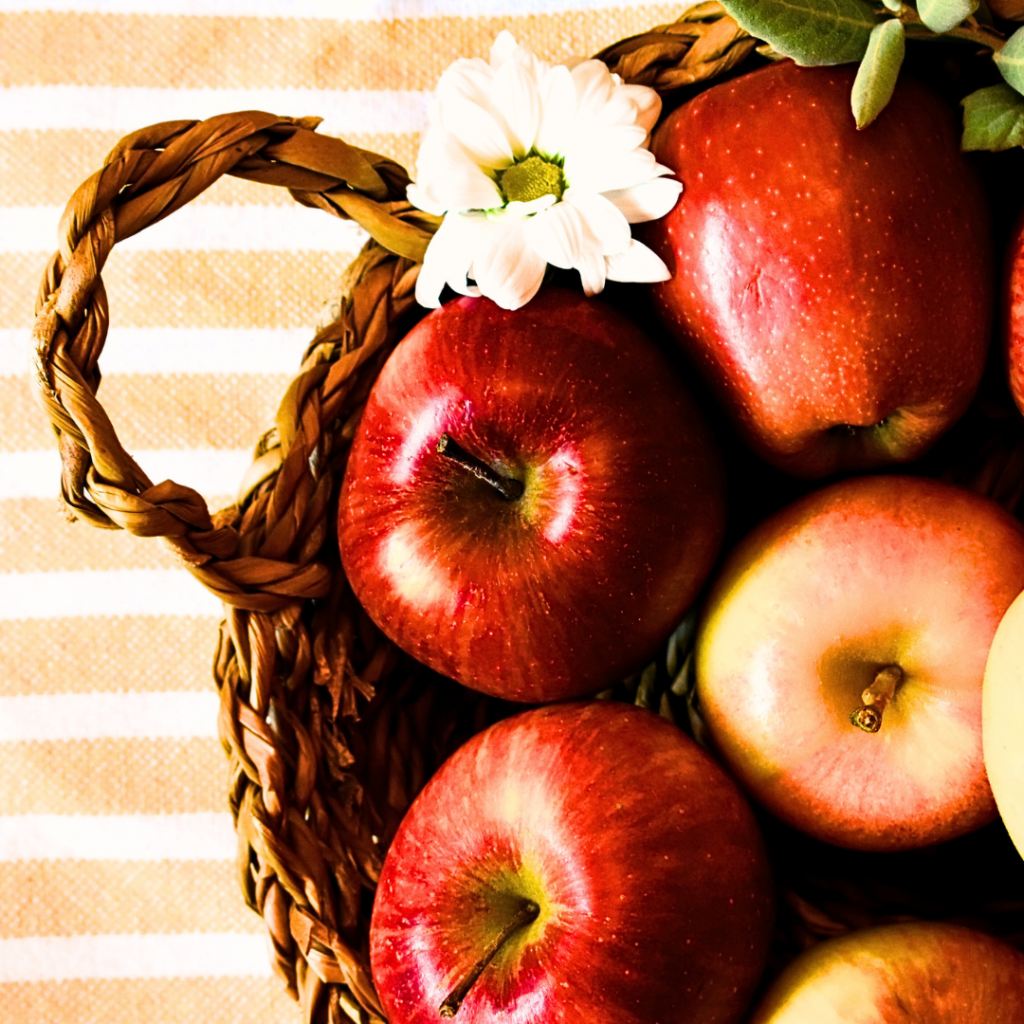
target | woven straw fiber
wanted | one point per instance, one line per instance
(330, 731)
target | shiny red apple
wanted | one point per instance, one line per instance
(584, 863)
(833, 285)
(570, 520)
(925, 972)
(840, 659)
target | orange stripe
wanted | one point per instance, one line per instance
(152, 1001)
(113, 776)
(43, 168)
(157, 411)
(117, 897)
(90, 653)
(43, 48)
(191, 289)
(35, 537)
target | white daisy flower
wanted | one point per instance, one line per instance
(533, 163)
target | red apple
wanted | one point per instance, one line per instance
(840, 657)
(1002, 720)
(1013, 313)
(573, 583)
(834, 285)
(618, 865)
(924, 972)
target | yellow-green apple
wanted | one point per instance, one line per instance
(532, 500)
(840, 658)
(834, 285)
(1002, 720)
(584, 863)
(926, 972)
(1013, 313)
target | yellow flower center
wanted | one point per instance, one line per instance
(531, 178)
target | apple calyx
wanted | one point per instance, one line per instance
(508, 487)
(869, 715)
(527, 912)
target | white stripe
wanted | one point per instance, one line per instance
(189, 955)
(179, 714)
(214, 472)
(291, 228)
(179, 350)
(206, 835)
(339, 10)
(123, 109)
(56, 595)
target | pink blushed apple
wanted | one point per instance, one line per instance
(833, 285)
(532, 500)
(611, 869)
(925, 972)
(840, 658)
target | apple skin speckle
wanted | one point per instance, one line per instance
(872, 255)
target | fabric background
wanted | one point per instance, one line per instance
(118, 901)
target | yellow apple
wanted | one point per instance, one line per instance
(1002, 720)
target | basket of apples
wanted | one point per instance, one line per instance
(653, 655)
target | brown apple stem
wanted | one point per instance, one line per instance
(869, 715)
(527, 912)
(508, 487)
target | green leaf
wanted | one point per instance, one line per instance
(878, 71)
(809, 31)
(1010, 60)
(943, 15)
(894, 5)
(993, 119)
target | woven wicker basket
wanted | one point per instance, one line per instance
(330, 729)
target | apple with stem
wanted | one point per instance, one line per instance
(922, 971)
(833, 285)
(585, 863)
(532, 500)
(1002, 720)
(840, 656)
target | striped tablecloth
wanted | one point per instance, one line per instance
(118, 901)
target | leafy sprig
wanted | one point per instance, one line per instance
(874, 34)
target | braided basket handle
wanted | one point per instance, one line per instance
(147, 176)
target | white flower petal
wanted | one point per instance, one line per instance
(467, 78)
(636, 263)
(503, 48)
(592, 273)
(450, 255)
(479, 133)
(594, 85)
(557, 94)
(619, 111)
(606, 229)
(647, 201)
(508, 270)
(648, 104)
(422, 201)
(613, 170)
(516, 90)
(448, 179)
(557, 235)
(443, 251)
